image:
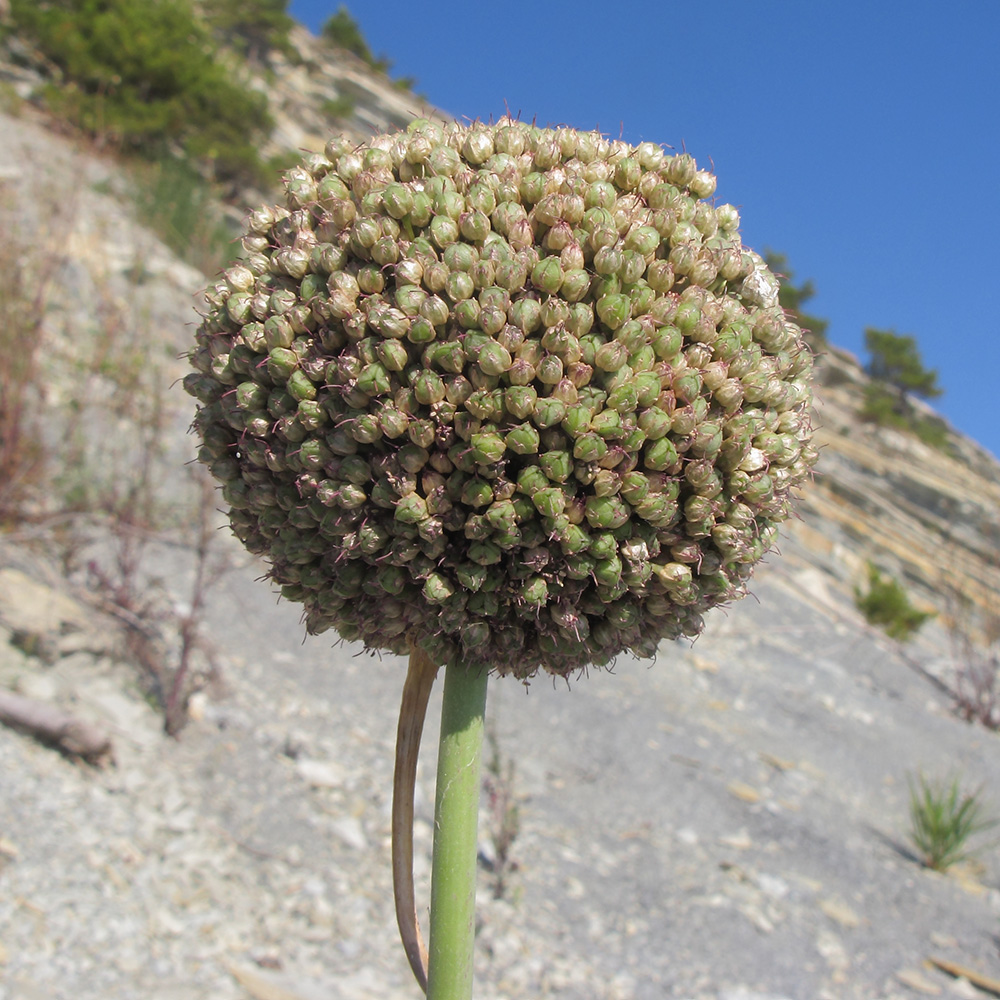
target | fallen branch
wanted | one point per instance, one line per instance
(986, 983)
(51, 725)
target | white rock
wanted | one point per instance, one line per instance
(772, 885)
(42, 687)
(30, 606)
(350, 831)
(321, 773)
(197, 704)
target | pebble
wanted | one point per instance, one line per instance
(773, 886)
(742, 791)
(350, 831)
(916, 980)
(738, 841)
(840, 912)
(41, 687)
(321, 773)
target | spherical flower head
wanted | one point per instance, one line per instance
(517, 395)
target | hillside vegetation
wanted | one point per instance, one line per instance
(152, 79)
(182, 90)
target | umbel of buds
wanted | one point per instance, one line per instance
(516, 395)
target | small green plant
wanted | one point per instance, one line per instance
(883, 406)
(943, 819)
(976, 657)
(10, 101)
(886, 604)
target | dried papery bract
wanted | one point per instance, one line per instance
(517, 397)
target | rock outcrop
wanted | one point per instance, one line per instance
(930, 517)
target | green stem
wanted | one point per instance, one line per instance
(456, 820)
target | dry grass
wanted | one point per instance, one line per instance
(503, 812)
(84, 430)
(24, 281)
(975, 641)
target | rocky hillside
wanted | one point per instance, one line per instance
(728, 824)
(299, 90)
(930, 517)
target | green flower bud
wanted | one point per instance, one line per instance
(577, 420)
(607, 512)
(635, 486)
(523, 440)
(549, 369)
(392, 354)
(438, 588)
(589, 447)
(534, 591)
(487, 449)
(608, 572)
(573, 539)
(485, 553)
(520, 400)
(494, 359)
(281, 362)
(548, 412)
(474, 226)
(397, 200)
(393, 422)
(660, 455)
(429, 388)
(526, 314)
(471, 576)
(251, 396)
(300, 387)
(547, 275)
(607, 423)
(549, 502)
(532, 478)
(611, 356)
(613, 310)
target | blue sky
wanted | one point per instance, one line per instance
(861, 140)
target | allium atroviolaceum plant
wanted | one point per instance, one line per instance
(518, 398)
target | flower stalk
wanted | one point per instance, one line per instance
(456, 821)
